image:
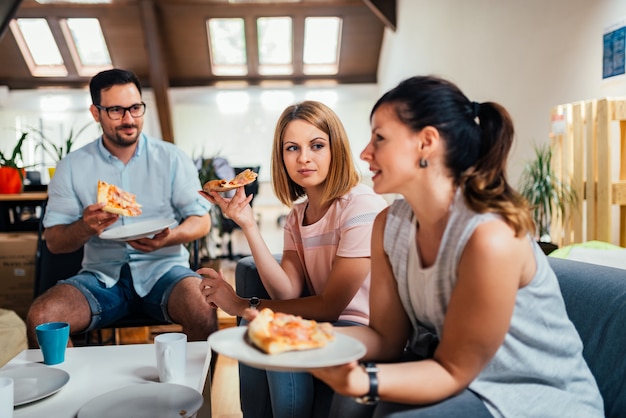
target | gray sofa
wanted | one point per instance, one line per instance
(595, 298)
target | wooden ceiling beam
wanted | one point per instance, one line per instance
(159, 79)
(7, 11)
(385, 10)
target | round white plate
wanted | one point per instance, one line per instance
(137, 230)
(34, 382)
(146, 400)
(231, 343)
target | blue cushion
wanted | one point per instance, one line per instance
(595, 299)
(247, 281)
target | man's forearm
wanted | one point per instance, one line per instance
(67, 238)
(192, 228)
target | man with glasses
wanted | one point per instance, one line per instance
(149, 274)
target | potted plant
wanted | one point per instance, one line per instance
(57, 152)
(12, 171)
(546, 193)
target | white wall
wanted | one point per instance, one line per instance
(528, 55)
(239, 123)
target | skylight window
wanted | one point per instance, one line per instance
(275, 37)
(275, 46)
(87, 45)
(321, 45)
(38, 47)
(227, 46)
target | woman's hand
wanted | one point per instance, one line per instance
(236, 208)
(348, 379)
(219, 293)
(249, 314)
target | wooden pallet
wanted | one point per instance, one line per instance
(593, 161)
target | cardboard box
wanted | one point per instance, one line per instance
(17, 271)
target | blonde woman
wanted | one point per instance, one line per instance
(325, 253)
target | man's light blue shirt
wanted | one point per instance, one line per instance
(166, 184)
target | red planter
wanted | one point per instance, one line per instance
(10, 180)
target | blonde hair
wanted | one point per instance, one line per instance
(342, 174)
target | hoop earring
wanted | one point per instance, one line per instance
(423, 163)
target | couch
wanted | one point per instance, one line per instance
(595, 299)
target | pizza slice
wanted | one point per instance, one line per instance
(244, 178)
(117, 200)
(275, 332)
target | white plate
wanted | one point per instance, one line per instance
(146, 400)
(137, 230)
(231, 342)
(34, 382)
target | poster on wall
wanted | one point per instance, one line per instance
(614, 42)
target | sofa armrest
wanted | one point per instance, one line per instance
(595, 300)
(247, 280)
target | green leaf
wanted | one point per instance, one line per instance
(547, 195)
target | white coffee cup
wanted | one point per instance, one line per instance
(6, 397)
(171, 356)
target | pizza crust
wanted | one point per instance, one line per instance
(276, 333)
(117, 201)
(244, 178)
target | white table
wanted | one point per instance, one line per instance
(95, 370)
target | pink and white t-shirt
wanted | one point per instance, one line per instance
(345, 231)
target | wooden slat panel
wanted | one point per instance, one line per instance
(604, 190)
(557, 229)
(591, 169)
(619, 110)
(574, 215)
(593, 148)
(619, 192)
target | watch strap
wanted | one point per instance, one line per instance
(372, 396)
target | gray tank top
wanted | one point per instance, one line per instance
(539, 370)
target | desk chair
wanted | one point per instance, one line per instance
(50, 268)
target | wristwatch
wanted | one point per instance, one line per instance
(371, 398)
(254, 302)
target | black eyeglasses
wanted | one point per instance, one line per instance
(117, 112)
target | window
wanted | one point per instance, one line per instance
(321, 45)
(83, 38)
(46, 42)
(227, 46)
(275, 45)
(87, 45)
(38, 47)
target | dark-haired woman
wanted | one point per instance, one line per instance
(466, 316)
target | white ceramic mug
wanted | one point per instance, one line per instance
(171, 356)
(6, 397)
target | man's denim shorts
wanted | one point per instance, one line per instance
(112, 304)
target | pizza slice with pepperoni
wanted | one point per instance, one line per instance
(244, 178)
(275, 332)
(117, 200)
